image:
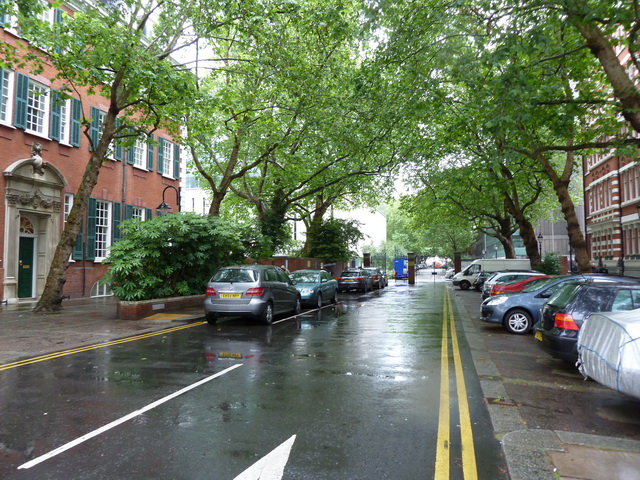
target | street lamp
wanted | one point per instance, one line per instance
(496, 249)
(163, 207)
(540, 237)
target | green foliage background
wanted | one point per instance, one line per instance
(175, 255)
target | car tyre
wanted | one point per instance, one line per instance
(518, 322)
(212, 318)
(319, 300)
(267, 314)
(334, 298)
(464, 285)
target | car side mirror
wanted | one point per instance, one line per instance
(545, 294)
(323, 280)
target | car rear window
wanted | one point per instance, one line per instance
(564, 294)
(230, 275)
(351, 274)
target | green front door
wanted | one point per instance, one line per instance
(25, 268)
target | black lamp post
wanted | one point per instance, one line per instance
(163, 207)
(540, 237)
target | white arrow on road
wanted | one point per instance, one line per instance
(271, 466)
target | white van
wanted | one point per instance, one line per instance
(467, 276)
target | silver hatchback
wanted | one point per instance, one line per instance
(259, 291)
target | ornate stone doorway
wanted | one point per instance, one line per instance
(32, 225)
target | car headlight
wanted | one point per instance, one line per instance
(497, 300)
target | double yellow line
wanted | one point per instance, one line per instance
(443, 450)
(63, 353)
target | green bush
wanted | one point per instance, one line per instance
(172, 255)
(550, 264)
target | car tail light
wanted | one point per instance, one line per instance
(254, 292)
(358, 278)
(565, 321)
(211, 292)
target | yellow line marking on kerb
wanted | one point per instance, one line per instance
(63, 353)
(443, 450)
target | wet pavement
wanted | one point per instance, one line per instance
(530, 452)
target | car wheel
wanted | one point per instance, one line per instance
(298, 306)
(212, 318)
(267, 314)
(518, 321)
(319, 300)
(464, 285)
(334, 298)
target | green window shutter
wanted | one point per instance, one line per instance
(115, 221)
(130, 155)
(77, 248)
(128, 212)
(76, 114)
(148, 214)
(117, 154)
(22, 94)
(150, 154)
(58, 19)
(91, 229)
(176, 161)
(54, 116)
(94, 128)
(160, 155)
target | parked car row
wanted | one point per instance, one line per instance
(262, 291)
(586, 319)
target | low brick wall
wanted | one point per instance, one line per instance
(144, 308)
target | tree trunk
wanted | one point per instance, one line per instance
(623, 86)
(561, 187)
(51, 299)
(528, 235)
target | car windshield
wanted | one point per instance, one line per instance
(305, 277)
(230, 275)
(538, 284)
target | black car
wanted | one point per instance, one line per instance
(355, 279)
(567, 309)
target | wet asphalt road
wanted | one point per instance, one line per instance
(358, 384)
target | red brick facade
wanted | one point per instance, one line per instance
(33, 192)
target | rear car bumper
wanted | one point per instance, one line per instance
(351, 286)
(254, 308)
(560, 346)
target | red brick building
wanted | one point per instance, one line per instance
(612, 202)
(43, 155)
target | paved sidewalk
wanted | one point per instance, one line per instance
(25, 334)
(537, 454)
(531, 454)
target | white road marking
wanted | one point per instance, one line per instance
(271, 466)
(115, 423)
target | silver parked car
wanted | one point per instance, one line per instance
(259, 291)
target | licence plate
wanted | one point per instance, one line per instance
(538, 335)
(350, 280)
(230, 295)
(230, 355)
